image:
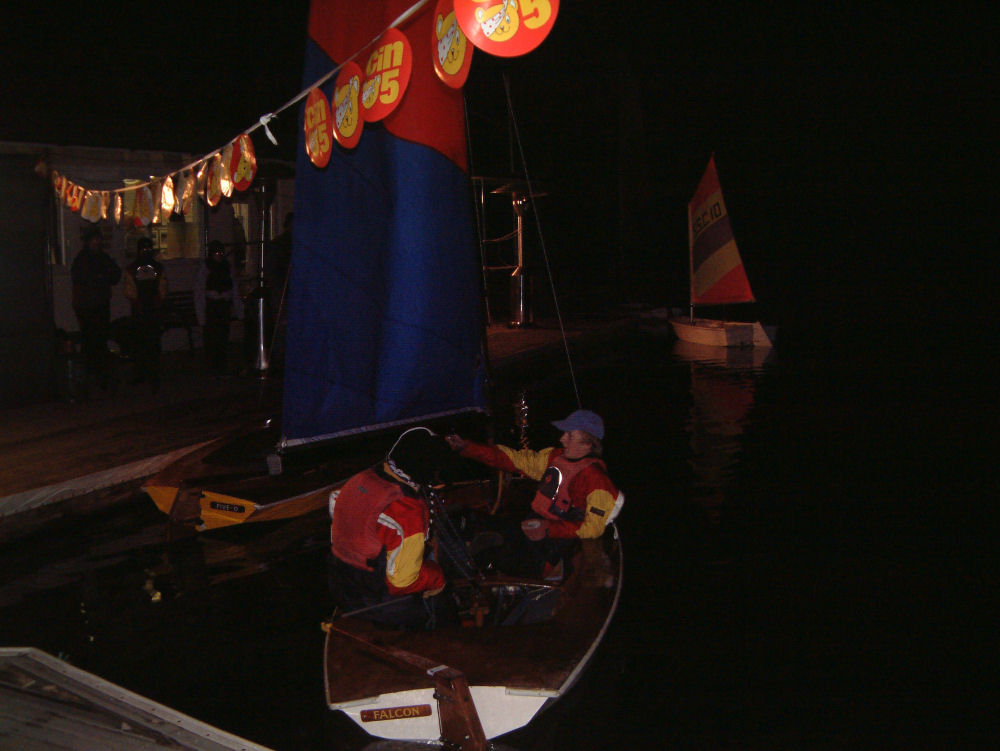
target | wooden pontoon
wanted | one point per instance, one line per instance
(46, 703)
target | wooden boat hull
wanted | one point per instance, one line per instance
(226, 482)
(513, 672)
(715, 333)
(213, 510)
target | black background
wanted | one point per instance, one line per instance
(854, 142)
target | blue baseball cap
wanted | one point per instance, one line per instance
(583, 419)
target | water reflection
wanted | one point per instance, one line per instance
(193, 561)
(161, 561)
(723, 382)
(86, 579)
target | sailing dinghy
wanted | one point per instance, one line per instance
(716, 273)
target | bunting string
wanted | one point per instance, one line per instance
(233, 166)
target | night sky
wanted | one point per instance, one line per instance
(855, 142)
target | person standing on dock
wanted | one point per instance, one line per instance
(378, 533)
(94, 273)
(146, 288)
(575, 498)
(216, 302)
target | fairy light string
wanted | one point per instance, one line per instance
(212, 173)
(80, 192)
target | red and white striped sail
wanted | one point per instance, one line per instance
(717, 275)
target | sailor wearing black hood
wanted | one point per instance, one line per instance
(378, 534)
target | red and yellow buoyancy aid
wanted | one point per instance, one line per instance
(361, 501)
(552, 498)
(371, 514)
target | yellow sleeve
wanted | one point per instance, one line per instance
(403, 564)
(599, 505)
(530, 463)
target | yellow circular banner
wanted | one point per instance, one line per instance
(318, 128)
(452, 52)
(506, 28)
(347, 122)
(387, 74)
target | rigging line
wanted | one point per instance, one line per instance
(477, 195)
(400, 19)
(376, 606)
(541, 239)
(262, 122)
(450, 544)
(477, 200)
(502, 238)
(265, 119)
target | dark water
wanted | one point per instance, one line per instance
(809, 551)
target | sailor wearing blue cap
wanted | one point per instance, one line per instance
(575, 497)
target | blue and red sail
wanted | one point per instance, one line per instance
(384, 314)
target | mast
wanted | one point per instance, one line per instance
(690, 266)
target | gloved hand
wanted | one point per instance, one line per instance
(535, 529)
(432, 592)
